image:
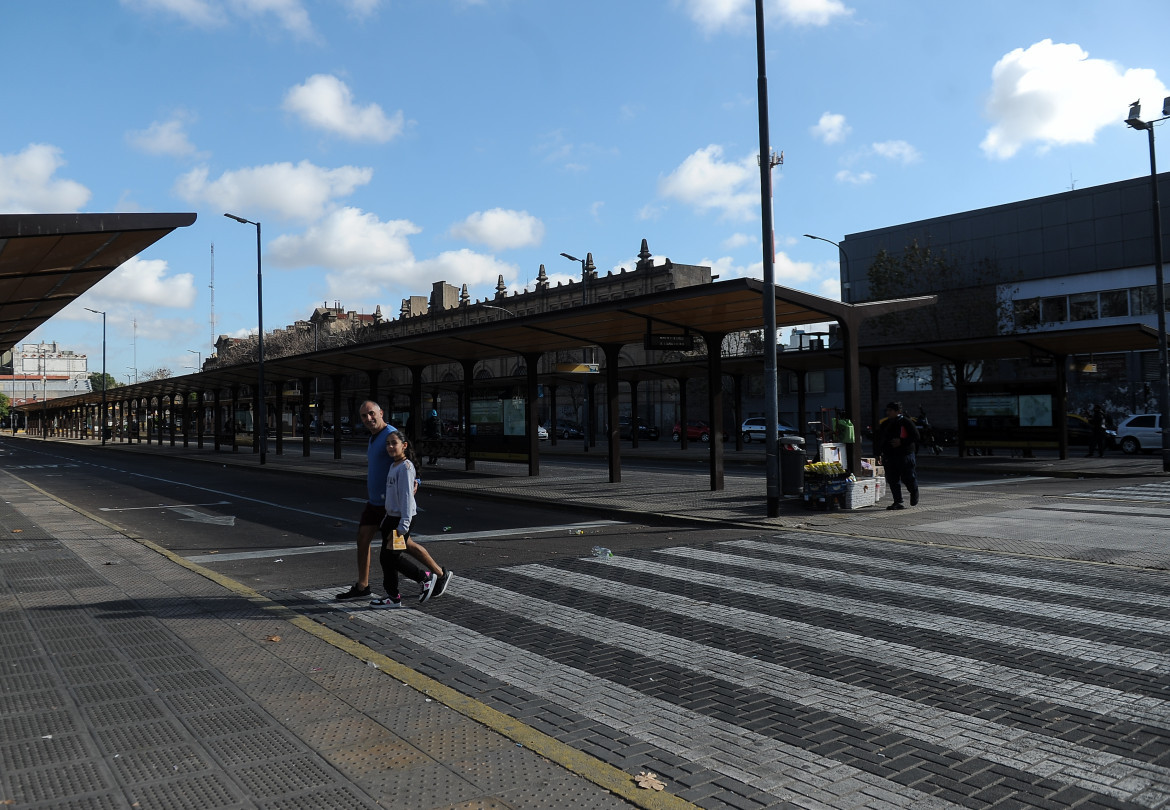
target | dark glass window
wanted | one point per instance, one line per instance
(1115, 303)
(1054, 309)
(1083, 306)
(1026, 313)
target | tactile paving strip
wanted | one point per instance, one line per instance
(48, 749)
(61, 779)
(259, 745)
(274, 778)
(226, 721)
(194, 791)
(153, 765)
(116, 739)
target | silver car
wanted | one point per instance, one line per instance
(1139, 432)
(755, 428)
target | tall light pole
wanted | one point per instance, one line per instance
(771, 400)
(846, 286)
(262, 427)
(1134, 120)
(586, 266)
(102, 427)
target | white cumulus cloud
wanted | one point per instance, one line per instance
(500, 229)
(1053, 94)
(288, 14)
(302, 192)
(856, 178)
(715, 15)
(165, 137)
(325, 102)
(365, 257)
(705, 181)
(27, 184)
(831, 128)
(788, 272)
(897, 151)
(145, 281)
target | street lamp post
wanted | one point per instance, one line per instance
(198, 358)
(102, 425)
(846, 286)
(262, 428)
(586, 266)
(1134, 120)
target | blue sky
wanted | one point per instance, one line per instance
(387, 144)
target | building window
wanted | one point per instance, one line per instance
(913, 378)
(1026, 313)
(974, 373)
(815, 382)
(1144, 300)
(1083, 306)
(1054, 309)
(1115, 304)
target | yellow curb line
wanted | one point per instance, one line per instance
(585, 765)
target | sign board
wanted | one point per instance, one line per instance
(682, 343)
(578, 368)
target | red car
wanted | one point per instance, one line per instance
(696, 429)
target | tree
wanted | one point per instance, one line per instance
(3, 405)
(156, 374)
(95, 382)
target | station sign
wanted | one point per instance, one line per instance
(682, 343)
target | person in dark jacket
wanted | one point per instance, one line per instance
(1098, 424)
(897, 442)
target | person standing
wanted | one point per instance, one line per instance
(377, 469)
(1098, 425)
(395, 526)
(432, 432)
(897, 443)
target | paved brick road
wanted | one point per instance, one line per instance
(819, 671)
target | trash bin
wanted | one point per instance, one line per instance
(792, 465)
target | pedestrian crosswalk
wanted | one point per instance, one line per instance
(822, 671)
(1156, 492)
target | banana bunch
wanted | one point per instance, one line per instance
(824, 469)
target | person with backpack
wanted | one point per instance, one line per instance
(896, 444)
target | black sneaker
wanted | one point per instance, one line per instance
(428, 586)
(897, 505)
(354, 592)
(441, 585)
(914, 498)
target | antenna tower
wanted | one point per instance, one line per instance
(212, 287)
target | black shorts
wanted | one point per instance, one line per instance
(372, 515)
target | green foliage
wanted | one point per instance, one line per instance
(3, 405)
(95, 382)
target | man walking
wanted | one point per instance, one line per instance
(377, 468)
(897, 441)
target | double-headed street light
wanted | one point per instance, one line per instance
(586, 267)
(102, 427)
(847, 285)
(1135, 121)
(262, 427)
(198, 358)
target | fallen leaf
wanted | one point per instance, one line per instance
(17, 531)
(650, 781)
(272, 638)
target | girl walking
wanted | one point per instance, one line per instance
(400, 511)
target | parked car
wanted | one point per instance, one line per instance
(645, 431)
(1141, 432)
(569, 430)
(756, 428)
(1081, 433)
(542, 433)
(696, 429)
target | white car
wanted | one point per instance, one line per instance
(542, 433)
(1139, 432)
(755, 428)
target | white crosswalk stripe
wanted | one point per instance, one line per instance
(798, 569)
(1157, 492)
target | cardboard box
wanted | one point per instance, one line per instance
(868, 465)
